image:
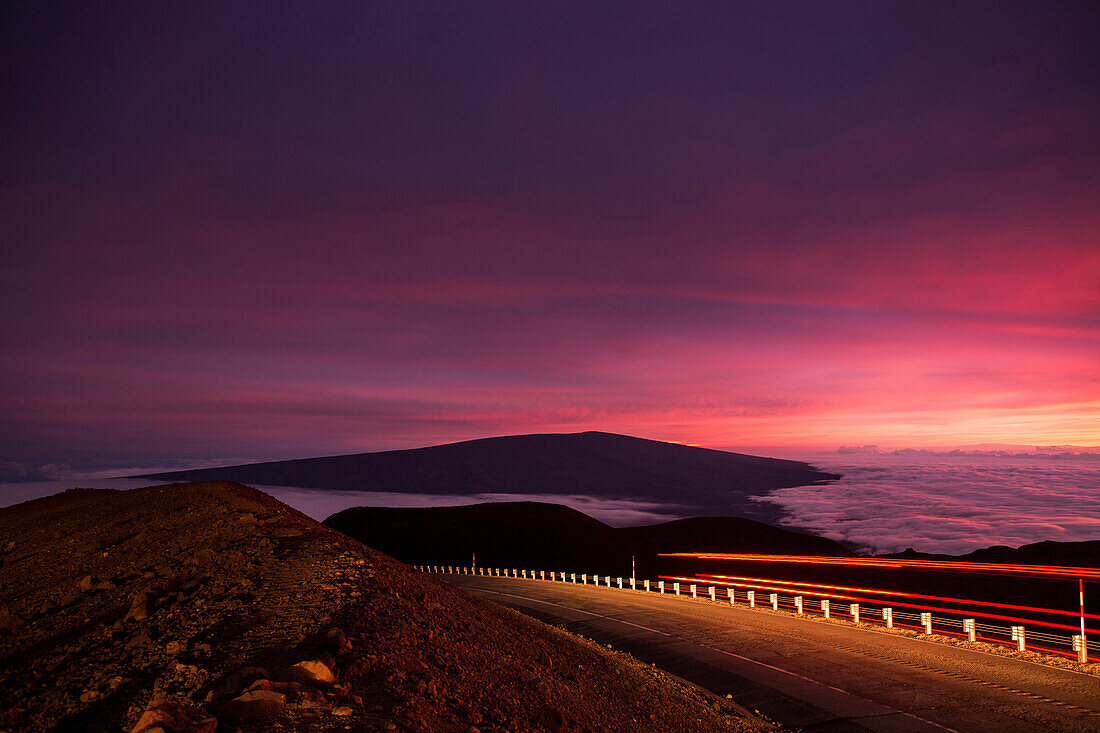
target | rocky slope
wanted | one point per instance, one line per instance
(205, 607)
(605, 465)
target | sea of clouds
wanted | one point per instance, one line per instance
(949, 503)
(886, 501)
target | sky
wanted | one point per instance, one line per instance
(240, 231)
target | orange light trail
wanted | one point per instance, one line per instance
(902, 594)
(955, 612)
(897, 564)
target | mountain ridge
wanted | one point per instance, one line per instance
(606, 465)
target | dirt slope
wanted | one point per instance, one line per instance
(218, 596)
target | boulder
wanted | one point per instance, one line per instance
(310, 673)
(172, 716)
(254, 706)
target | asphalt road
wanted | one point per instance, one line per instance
(812, 674)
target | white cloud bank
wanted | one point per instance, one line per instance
(949, 504)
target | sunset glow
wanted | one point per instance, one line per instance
(879, 227)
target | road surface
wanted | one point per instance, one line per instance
(814, 675)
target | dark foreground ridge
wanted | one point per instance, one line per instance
(204, 607)
(537, 535)
(697, 480)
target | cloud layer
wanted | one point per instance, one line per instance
(950, 504)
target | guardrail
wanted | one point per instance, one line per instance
(806, 599)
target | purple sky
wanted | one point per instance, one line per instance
(246, 231)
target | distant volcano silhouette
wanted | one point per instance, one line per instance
(696, 481)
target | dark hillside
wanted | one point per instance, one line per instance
(551, 537)
(605, 465)
(522, 534)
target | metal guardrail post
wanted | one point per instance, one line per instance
(647, 586)
(888, 617)
(632, 582)
(620, 583)
(926, 622)
(970, 628)
(798, 605)
(608, 581)
(732, 593)
(712, 598)
(775, 601)
(825, 607)
(694, 594)
(1081, 646)
(584, 578)
(676, 587)
(574, 577)
(661, 587)
(1018, 637)
(752, 598)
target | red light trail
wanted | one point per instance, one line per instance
(902, 594)
(897, 564)
(789, 588)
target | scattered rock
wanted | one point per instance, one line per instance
(290, 689)
(310, 673)
(204, 558)
(254, 706)
(338, 641)
(9, 621)
(170, 716)
(90, 583)
(139, 608)
(342, 710)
